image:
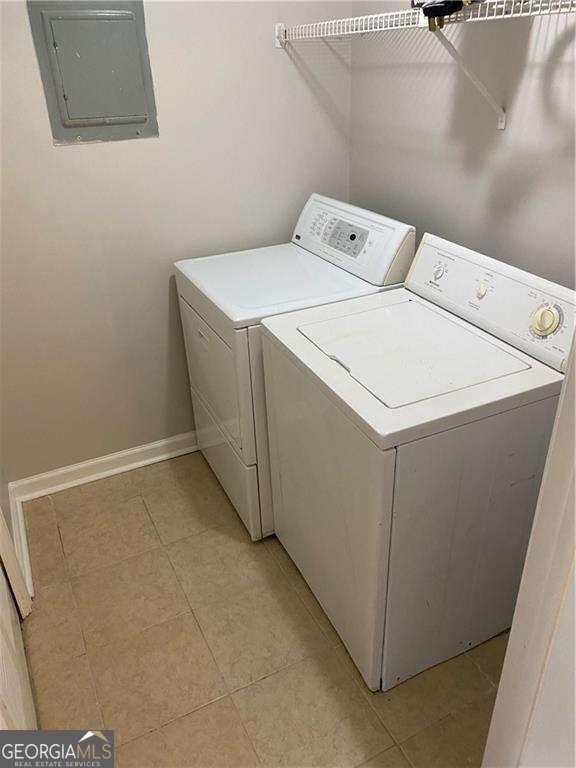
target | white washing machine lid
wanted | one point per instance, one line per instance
(250, 285)
(417, 384)
(408, 352)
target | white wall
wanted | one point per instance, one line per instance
(92, 350)
(91, 345)
(425, 148)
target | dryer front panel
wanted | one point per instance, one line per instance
(220, 373)
(240, 481)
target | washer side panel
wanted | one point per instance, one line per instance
(332, 506)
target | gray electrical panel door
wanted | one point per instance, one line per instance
(95, 69)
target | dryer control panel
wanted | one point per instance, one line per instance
(530, 313)
(372, 247)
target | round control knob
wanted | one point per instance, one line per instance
(545, 321)
(481, 290)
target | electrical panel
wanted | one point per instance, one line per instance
(95, 68)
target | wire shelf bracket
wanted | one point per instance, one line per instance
(280, 39)
(377, 24)
(476, 82)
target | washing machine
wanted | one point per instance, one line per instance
(408, 435)
(337, 251)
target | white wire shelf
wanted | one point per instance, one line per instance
(492, 10)
(378, 24)
(356, 25)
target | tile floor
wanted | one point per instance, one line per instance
(156, 616)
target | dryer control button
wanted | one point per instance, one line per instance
(545, 321)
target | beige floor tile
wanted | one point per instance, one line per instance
(101, 533)
(298, 583)
(282, 557)
(65, 696)
(69, 499)
(148, 751)
(115, 488)
(430, 696)
(391, 758)
(36, 511)
(53, 628)
(313, 606)
(457, 741)
(118, 487)
(347, 662)
(260, 631)
(155, 676)
(46, 555)
(311, 714)
(188, 508)
(126, 485)
(489, 657)
(137, 593)
(191, 467)
(47, 558)
(211, 737)
(219, 563)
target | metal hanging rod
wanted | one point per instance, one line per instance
(378, 24)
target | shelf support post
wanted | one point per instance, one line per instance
(478, 84)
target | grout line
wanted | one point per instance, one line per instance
(368, 694)
(62, 549)
(151, 519)
(180, 716)
(186, 535)
(286, 576)
(158, 728)
(243, 724)
(137, 631)
(131, 740)
(405, 754)
(208, 645)
(95, 690)
(350, 673)
(78, 617)
(484, 674)
(114, 563)
(108, 504)
(77, 613)
(273, 560)
(200, 629)
(270, 674)
(382, 752)
(216, 664)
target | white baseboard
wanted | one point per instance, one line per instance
(20, 540)
(85, 472)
